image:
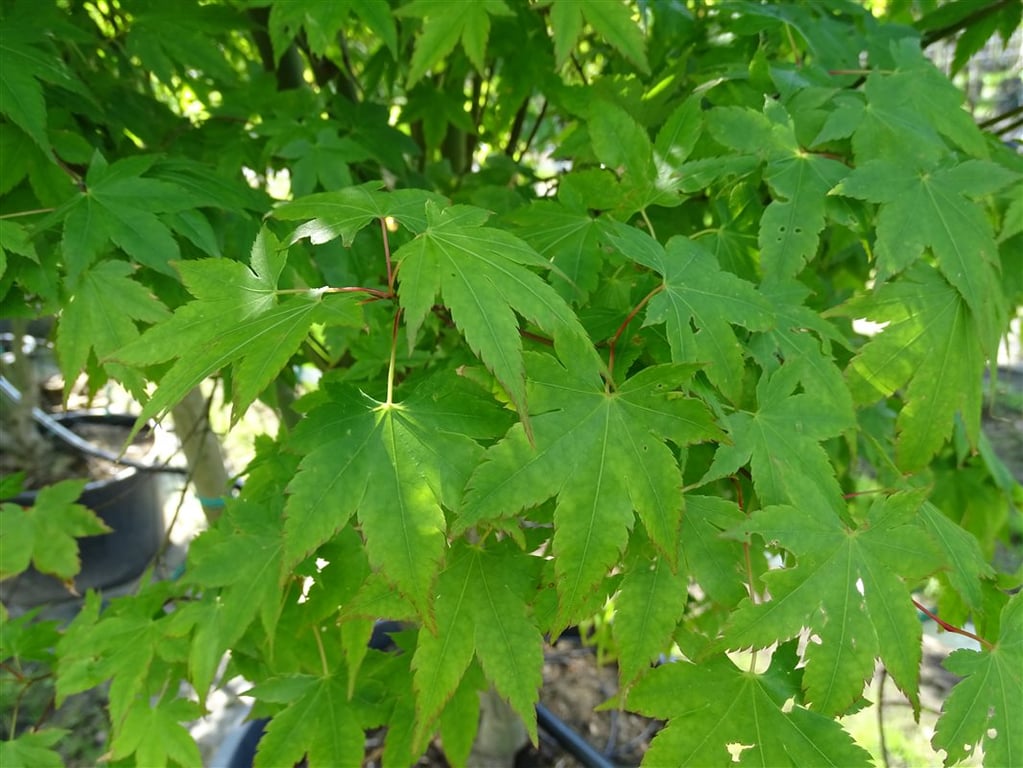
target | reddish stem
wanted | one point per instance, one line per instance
(621, 329)
(855, 494)
(949, 628)
(387, 255)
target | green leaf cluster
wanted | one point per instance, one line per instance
(556, 305)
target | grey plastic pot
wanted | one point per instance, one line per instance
(130, 504)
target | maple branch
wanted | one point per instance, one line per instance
(950, 628)
(532, 133)
(966, 21)
(621, 329)
(992, 121)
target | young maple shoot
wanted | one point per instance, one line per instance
(555, 304)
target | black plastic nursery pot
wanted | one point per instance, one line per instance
(129, 503)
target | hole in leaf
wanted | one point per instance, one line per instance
(736, 749)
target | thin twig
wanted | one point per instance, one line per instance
(621, 329)
(950, 628)
(880, 718)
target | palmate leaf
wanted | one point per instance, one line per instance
(790, 227)
(35, 748)
(395, 466)
(120, 645)
(481, 276)
(27, 60)
(570, 239)
(44, 534)
(242, 556)
(847, 589)
(236, 320)
(480, 609)
(604, 454)
(444, 25)
(714, 704)
(781, 442)
(697, 292)
(610, 18)
(154, 734)
(120, 205)
(622, 144)
(319, 723)
(88, 327)
(342, 213)
(789, 339)
(648, 607)
(934, 348)
(322, 22)
(930, 209)
(986, 707)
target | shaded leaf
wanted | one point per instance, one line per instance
(44, 534)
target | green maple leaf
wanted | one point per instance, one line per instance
(622, 144)
(781, 442)
(44, 534)
(243, 556)
(155, 734)
(324, 160)
(799, 180)
(480, 609)
(319, 723)
(321, 22)
(342, 213)
(88, 327)
(570, 239)
(819, 376)
(34, 748)
(444, 25)
(121, 645)
(14, 238)
(613, 20)
(235, 319)
(648, 608)
(604, 454)
(847, 588)
(930, 209)
(910, 109)
(696, 292)
(714, 704)
(967, 564)
(482, 278)
(394, 465)
(120, 205)
(709, 556)
(933, 346)
(26, 66)
(986, 707)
